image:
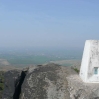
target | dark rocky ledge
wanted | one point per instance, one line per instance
(18, 83)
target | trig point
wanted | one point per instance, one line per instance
(89, 71)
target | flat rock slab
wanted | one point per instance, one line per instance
(80, 90)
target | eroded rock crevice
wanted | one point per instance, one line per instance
(18, 84)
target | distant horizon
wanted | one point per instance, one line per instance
(40, 48)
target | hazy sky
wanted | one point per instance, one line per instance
(48, 23)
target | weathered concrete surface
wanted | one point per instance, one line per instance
(90, 61)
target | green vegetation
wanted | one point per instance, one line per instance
(1, 86)
(74, 68)
(1, 80)
(1, 83)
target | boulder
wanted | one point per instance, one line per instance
(44, 82)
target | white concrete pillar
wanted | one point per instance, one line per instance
(89, 71)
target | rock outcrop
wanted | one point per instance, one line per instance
(49, 81)
(45, 82)
(11, 78)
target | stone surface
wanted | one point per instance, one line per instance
(49, 81)
(10, 78)
(80, 90)
(45, 82)
(89, 71)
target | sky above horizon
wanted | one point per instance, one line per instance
(48, 23)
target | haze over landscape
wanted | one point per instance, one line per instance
(40, 31)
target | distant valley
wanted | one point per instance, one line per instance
(18, 59)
